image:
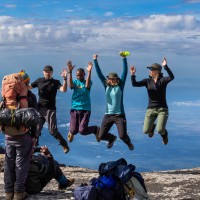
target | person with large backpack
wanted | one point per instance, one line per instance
(47, 91)
(43, 169)
(18, 140)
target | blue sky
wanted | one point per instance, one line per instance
(36, 33)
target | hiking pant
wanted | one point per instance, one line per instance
(54, 171)
(17, 162)
(79, 120)
(161, 114)
(107, 123)
(49, 116)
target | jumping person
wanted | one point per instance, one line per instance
(81, 104)
(47, 91)
(114, 87)
(157, 108)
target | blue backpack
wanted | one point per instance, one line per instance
(106, 182)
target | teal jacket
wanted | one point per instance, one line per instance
(114, 94)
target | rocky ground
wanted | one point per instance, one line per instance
(163, 185)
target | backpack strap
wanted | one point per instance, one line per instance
(2, 103)
(131, 191)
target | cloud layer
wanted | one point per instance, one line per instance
(176, 33)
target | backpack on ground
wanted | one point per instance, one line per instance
(131, 181)
(85, 192)
(135, 188)
(14, 96)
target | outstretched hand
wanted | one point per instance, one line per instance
(89, 67)
(64, 73)
(132, 70)
(44, 150)
(95, 57)
(164, 62)
(70, 66)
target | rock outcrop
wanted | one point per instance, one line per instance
(163, 185)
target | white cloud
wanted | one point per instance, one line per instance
(10, 6)
(175, 33)
(188, 103)
(192, 1)
(107, 14)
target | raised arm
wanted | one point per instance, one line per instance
(125, 69)
(89, 70)
(63, 88)
(70, 69)
(170, 73)
(133, 78)
(98, 70)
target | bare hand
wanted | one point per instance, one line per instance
(89, 67)
(64, 73)
(44, 150)
(164, 62)
(132, 70)
(95, 57)
(70, 66)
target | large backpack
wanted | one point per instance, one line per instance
(132, 181)
(14, 96)
(14, 91)
(135, 188)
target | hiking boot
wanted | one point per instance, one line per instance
(70, 137)
(65, 146)
(9, 195)
(151, 134)
(97, 134)
(20, 195)
(165, 137)
(110, 143)
(69, 183)
(130, 146)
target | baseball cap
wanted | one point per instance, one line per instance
(48, 68)
(25, 76)
(155, 66)
(112, 75)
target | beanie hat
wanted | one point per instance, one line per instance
(25, 76)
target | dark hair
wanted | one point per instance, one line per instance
(81, 70)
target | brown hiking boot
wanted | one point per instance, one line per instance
(110, 143)
(165, 137)
(70, 182)
(9, 195)
(70, 137)
(20, 195)
(64, 146)
(97, 134)
(130, 146)
(152, 131)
